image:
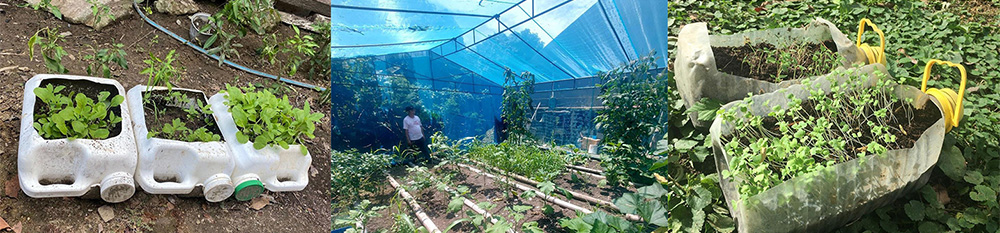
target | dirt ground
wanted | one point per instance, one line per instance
(304, 211)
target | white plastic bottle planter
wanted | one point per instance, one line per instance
(177, 167)
(71, 168)
(699, 75)
(828, 199)
(271, 167)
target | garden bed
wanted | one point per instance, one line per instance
(766, 62)
(302, 211)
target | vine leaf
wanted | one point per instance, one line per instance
(915, 210)
(952, 163)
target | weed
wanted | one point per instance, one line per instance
(160, 71)
(48, 43)
(102, 59)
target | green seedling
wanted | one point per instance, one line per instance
(75, 115)
(48, 41)
(160, 71)
(102, 60)
(266, 120)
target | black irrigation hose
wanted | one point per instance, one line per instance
(234, 65)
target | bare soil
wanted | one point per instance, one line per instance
(483, 189)
(303, 211)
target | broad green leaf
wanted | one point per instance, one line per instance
(952, 163)
(983, 193)
(455, 205)
(915, 210)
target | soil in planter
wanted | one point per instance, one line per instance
(913, 128)
(762, 61)
(169, 112)
(89, 89)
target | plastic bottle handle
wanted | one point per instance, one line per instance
(957, 114)
(873, 58)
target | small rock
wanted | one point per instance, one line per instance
(17, 227)
(66, 34)
(106, 212)
(176, 7)
(170, 206)
(313, 172)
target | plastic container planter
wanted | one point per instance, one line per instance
(272, 167)
(72, 168)
(698, 75)
(177, 167)
(828, 199)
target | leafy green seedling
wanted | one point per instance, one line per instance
(48, 43)
(75, 115)
(265, 120)
(102, 59)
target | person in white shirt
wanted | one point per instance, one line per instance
(414, 134)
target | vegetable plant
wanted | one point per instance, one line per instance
(255, 15)
(647, 202)
(100, 12)
(160, 71)
(178, 128)
(299, 49)
(225, 47)
(102, 60)
(354, 172)
(265, 120)
(75, 115)
(634, 111)
(48, 43)
(522, 159)
(319, 63)
(47, 4)
(517, 105)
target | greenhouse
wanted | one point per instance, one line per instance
(514, 99)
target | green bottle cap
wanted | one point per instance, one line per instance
(248, 190)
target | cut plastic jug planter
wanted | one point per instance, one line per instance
(177, 167)
(828, 199)
(72, 168)
(698, 75)
(271, 167)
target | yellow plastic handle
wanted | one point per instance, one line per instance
(873, 56)
(954, 116)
